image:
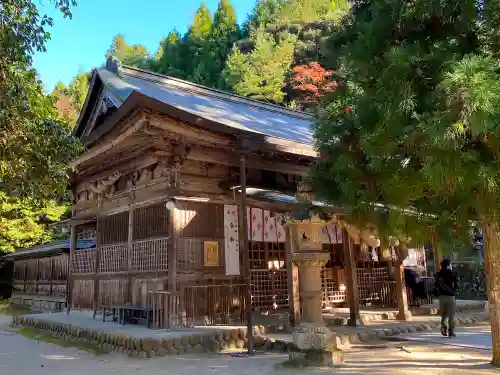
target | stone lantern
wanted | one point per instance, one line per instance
(314, 342)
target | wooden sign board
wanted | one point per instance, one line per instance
(211, 253)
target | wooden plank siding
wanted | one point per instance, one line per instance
(45, 276)
(123, 275)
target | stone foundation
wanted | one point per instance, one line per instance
(38, 303)
(214, 342)
(218, 341)
(317, 358)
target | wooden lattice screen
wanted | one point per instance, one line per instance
(268, 274)
(83, 261)
(113, 229)
(150, 222)
(113, 258)
(150, 255)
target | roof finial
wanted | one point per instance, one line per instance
(113, 64)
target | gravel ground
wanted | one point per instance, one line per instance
(31, 357)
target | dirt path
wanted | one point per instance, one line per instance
(20, 355)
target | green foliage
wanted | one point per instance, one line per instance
(35, 146)
(264, 14)
(25, 222)
(201, 27)
(261, 73)
(170, 59)
(223, 34)
(297, 11)
(414, 124)
(128, 54)
(70, 99)
(194, 47)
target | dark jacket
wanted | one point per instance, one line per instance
(446, 282)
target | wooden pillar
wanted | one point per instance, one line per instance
(130, 245)
(351, 280)
(173, 284)
(245, 249)
(292, 281)
(403, 310)
(95, 304)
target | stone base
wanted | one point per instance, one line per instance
(317, 358)
(357, 322)
(312, 336)
(406, 316)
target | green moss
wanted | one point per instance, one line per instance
(35, 334)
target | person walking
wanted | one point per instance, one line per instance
(446, 288)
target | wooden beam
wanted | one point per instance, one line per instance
(95, 304)
(244, 246)
(127, 165)
(69, 287)
(274, 144)
(114, 142)
(189, 131)
(130, 244)
(292, 280)
(210, 155)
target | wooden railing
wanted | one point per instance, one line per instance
(165, 307)
(198, 305)
(214, 304)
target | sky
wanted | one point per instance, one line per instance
(79, 44)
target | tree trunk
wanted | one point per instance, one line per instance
(438, 256)
(403, 310)
(492, 265)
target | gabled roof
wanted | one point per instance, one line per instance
(232, 111)
(52, 248)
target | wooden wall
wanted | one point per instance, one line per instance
(131, 259)
(195, 223)
(124, 269)
(45, 276)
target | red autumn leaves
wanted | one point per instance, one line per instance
(312, 82)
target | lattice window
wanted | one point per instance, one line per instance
(268, 274)
(331, 292)
(113, 229)
(267, 255)
(83, 261)
(380, 274)
(368, 279)
(150, 222)
(150, 255)
(86, 234)
(113, 258)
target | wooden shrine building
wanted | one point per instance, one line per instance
(159, 184)
(40, 276)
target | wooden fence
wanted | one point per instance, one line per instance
(194, 305)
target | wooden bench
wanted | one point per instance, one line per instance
(106, 311)
(128, 315)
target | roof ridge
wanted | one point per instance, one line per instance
(216, 93)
